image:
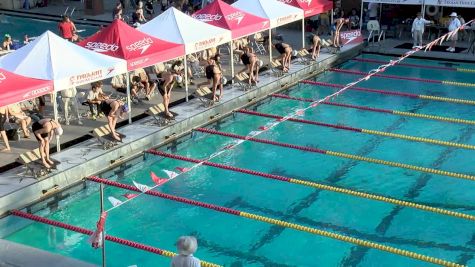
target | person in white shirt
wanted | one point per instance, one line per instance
(186, 246)
(373, 10)
(454, 24)
(418, 29)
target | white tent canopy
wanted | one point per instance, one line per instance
(50, 57)
(177, 27)
(277, 12)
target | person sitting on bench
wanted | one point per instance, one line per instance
(44, 130)
(94, 99)
(19, 117)
(286, 54)
(114, 109)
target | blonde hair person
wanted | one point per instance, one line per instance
(186, 246)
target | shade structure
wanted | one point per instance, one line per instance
(276, 12)
(16, 88)
(310, 7)
(451, 3)
(137, 48)
(177, 27)
(239, 22)
(49, 57)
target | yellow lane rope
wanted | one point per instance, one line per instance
(448, 99)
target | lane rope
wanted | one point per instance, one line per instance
(318, 186)
(284, 224)
(361, 130)
(388, 111)
(114, 239)
(355, 72)
(420, 66)
(341, 155)
(394, 93)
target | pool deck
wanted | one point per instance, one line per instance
(88, 158)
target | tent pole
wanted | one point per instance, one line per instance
(128, 97)
(303, 32)
(270, 45)
(380, 12)
(232, 60)
(423, 9)
(186, 78)
(55, 114)
(361, 16)
(331, 18)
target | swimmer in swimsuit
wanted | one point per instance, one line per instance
(44, 130)
(250, 60)
(316, 45)
(165, 86)
(286, 51)
(114, 109)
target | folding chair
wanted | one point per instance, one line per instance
(104, 137)
(32, 161)
(205, 95)
(259, 42)
(303, 56)
(242, 81)
(158, 114)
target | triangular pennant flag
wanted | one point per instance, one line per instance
(114, 201)
(141, 187)
(263, 128)
(129, 196)
(300, 112)
(171, 174)
(96, 237)
(157, 180)
(182, 169)
(230, 146)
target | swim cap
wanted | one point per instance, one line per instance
(58, 131)
(125, 108)
(178, 79)
(224, 80)
(295, 53)
(261, 63)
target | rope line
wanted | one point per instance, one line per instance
(114, 239)
(355, 72)
(341, 155)
(318, 186)
(284, 224)
(361, 130)
(394, 112)
(420, 66)
(395, 93)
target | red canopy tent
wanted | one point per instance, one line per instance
(239, 22)
(16, 88)
(311, 7)
(137, 48)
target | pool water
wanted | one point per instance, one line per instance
(17, 27)
(236, 241)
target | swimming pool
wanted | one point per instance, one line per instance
(17, 27)
(236, 241)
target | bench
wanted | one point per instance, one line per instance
(158, 114)
(34, 165)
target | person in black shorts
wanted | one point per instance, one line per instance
(3, 119)
(114, 109)
(44, 130)
(286, 53)
(208, 73)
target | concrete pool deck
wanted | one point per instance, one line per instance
(88, 158)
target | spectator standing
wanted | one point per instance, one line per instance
(67, 29)
(354, 19)
(3, 119)
(69, 99)
(186, 246)
(418, 29)
(453, 24)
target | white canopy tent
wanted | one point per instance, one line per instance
(276, 12)
(177, 27)
(49, 57)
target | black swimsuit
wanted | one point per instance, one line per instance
(161, 89)
(245, 59)
(38, 126)
(209, 72)
(106, 107)
(280, 48)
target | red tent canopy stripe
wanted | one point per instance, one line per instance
(16, 88)
(239, 22)
(137, 48)
(311, 7)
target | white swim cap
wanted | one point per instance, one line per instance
(224, 80)
(178, 79)
(261, 63)
(295, 53)
(58, 131)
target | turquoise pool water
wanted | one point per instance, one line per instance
(17, 27)
(236, 241)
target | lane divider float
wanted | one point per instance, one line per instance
(394, 93)
(361, 130)
(317, 185)
(114, 239)
(388, 111)
(341, 155)
(355, 72)
(311, 230)
(421, 66)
